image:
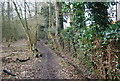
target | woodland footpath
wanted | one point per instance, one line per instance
(60, 40)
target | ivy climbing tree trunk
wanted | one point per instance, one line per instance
(99, 13)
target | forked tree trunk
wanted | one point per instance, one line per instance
(25, 26)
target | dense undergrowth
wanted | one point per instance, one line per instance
(99, 49)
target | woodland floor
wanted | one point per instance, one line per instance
(49, 66)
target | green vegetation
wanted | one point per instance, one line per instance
(96, 44)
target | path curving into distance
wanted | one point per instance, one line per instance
(48, 64)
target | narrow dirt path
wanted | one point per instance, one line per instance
(49, 65)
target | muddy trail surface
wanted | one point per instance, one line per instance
(49, 65)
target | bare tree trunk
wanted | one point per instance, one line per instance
(9, 23)
(35, 9)
(59, 22)
(3, 16)
(25, 25)
(118, 12)
(29, 10)
(71, 14)
(51, 35)
(50, 15)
